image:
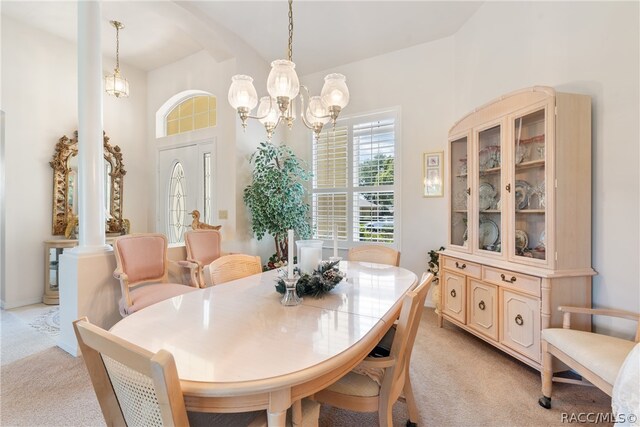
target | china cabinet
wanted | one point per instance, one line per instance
(519, 238)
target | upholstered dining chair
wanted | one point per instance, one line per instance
(203, 247)
(378, 382)
(136, 387)
(374, 253)
(232, 267)
(596, 357)
(143, 271)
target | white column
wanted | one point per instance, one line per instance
(86, 270)
(91, 180)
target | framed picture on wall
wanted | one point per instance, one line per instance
(432, 174)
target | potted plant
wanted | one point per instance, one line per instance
(276, 198)
(434, 268)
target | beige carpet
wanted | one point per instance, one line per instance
(458, 379)
(18, 339)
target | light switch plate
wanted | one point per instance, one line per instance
(223, 214)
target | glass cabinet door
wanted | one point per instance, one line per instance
(460, 189)
(529, 204)
(489, 206)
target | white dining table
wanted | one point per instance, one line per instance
(238, 349)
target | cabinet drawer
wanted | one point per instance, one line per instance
(483, 308)
(509, 279)
(454, 295)
(520, 324)
(463, 267)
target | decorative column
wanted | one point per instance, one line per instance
(87, 287)
(91, 180)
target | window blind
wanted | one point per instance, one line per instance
(353, 185)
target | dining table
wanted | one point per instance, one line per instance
(238, 349)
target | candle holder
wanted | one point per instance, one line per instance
(290, 295)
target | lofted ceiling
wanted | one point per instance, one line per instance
(326, 33)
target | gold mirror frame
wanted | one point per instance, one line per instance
(67, 148)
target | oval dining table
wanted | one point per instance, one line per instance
(237, 349)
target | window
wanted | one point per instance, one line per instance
(193, 113)
(206, 186)
(354, 184)
(177, 205)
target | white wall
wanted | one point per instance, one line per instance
(233, 146)
(39, 96)
(588, 48)
(581, 47)
(419, 81)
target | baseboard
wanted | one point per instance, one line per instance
(8, 306)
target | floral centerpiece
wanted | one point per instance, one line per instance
(321, 281)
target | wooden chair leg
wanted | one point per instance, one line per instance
(385, 415)
(296, 413)
(411, 400)
(547, 377)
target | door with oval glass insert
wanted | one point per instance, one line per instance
(177, 190)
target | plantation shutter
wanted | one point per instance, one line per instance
(373, 181)
(353, 183)
(330, 173)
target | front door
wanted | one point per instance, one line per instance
(184, 184)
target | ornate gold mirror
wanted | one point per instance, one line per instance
(65, 184)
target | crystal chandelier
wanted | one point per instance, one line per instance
(115, 84)
(283, 87)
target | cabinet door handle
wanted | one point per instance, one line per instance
(469, 191)
(481, 305)
(461, 266)
(508, 188)
(504, 279)
(519, 320)
(453, 293)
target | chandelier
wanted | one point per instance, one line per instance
(283, 87)
(115, 84)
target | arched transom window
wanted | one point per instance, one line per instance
(197, 112)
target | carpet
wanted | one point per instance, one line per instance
(458, 380)
(48, 322)
(18, 340)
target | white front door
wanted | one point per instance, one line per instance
(185, 181)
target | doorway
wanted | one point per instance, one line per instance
(185, 183)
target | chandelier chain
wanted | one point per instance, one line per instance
(290, 30)
(117, 47)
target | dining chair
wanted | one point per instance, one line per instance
(598, 358)
(232, 267)
(203, 247)
(374, 253)
(136, 387)
(378, 382)
(143, 271)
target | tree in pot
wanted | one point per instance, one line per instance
(276, 197)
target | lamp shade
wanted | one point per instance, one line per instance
(283, 80)
(242, 93)
(267, 111)
(317, 111)
(335, 91)
(116, 85)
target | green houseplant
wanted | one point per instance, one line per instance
(276, 197)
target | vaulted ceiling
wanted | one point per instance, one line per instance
(326, 33)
